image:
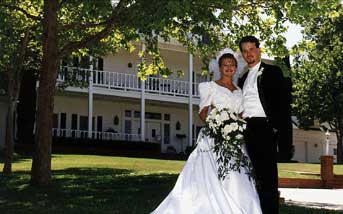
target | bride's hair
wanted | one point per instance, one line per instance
(227, 56)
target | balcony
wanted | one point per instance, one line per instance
(107, 82)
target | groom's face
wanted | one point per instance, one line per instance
(251, 53)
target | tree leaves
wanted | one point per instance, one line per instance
(317, 80)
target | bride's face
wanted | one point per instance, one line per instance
(228, 67)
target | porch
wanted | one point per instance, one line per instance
(106, 136)
(127, 85)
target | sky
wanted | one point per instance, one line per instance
(293, 35)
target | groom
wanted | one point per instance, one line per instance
(269, 127)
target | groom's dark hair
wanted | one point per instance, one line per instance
(251, 39)
(226, 56)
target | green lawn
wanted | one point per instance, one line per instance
(304, 170)
(103, 184)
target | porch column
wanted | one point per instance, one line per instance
(90, 98)
(143, 103)
(190, 103)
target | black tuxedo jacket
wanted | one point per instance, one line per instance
(275, 96)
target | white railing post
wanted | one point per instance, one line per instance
(143, 103)
(190, 102)
(90, 98)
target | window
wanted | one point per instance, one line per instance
(63, 120)
(73, 125)
(149, 115)
(154, 116)
(153, 133)
(127, 113)
(127, 126)
(137, 114)
(74, 121)
(100, 64)
(83, 123)
(167, 117)
(166, 131)
(99, 124)
(55, 121)
(98, 127)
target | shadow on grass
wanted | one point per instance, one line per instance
(85, 190)
(16, 158)
(96, 190)
(289, 209)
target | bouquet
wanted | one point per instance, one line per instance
(226, 128)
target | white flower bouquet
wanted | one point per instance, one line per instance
(226, 128)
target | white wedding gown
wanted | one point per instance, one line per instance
(198, 189)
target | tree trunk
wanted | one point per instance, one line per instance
(13, 89)
(41, 164)
(7, 170)
(14, 79)
(8, 149)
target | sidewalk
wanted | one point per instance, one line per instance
(314, 198)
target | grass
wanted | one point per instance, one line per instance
(103, 184)
(304, 170)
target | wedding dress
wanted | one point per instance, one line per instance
(198, 189)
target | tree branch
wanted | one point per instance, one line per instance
(110, 25)
(82, 26)
(28, 15)
(22, 50)
(70, 47)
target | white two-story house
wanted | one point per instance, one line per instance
(116, 100)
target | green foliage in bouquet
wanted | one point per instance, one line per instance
(226, 128)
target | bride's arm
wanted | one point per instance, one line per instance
(203, 113)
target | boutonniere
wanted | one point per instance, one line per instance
(259, 72)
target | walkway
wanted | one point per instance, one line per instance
(314, 198)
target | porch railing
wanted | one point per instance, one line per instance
(77, 134)
(129, 82)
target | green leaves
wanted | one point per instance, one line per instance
(317, 75)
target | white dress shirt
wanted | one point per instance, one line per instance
(251, 100)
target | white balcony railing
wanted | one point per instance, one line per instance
(130, 82)
(71, 133)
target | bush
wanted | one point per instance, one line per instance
(108, 147)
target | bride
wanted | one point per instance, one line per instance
(198, 189)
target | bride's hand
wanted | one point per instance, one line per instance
(241, 115)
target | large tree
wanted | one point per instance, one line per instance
(70, 26)
(15, 42)
(318, 75)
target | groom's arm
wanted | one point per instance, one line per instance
(282, 113)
